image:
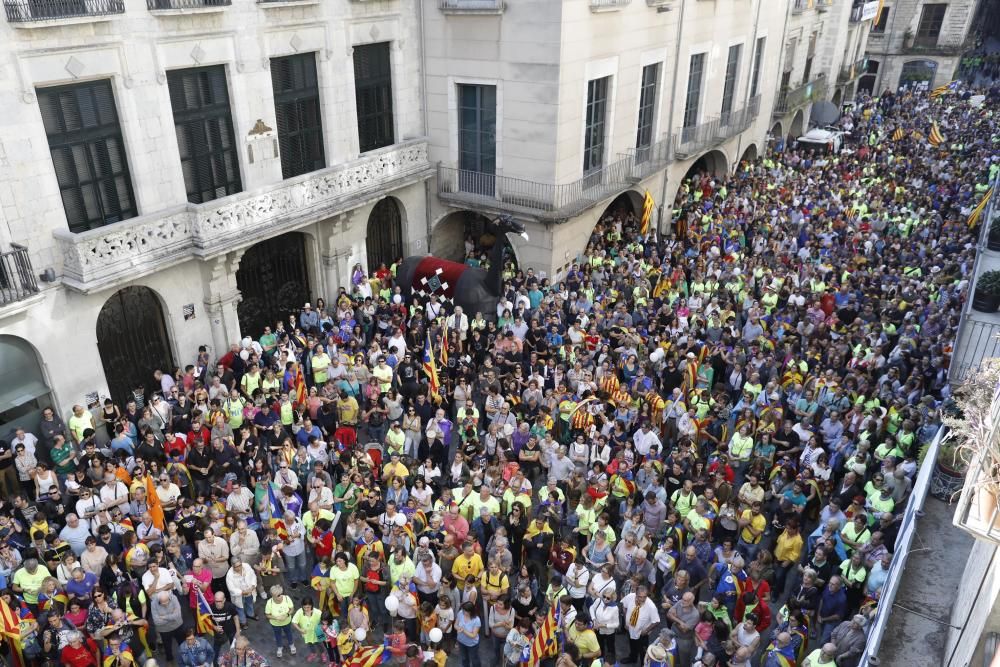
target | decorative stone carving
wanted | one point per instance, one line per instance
(103, 257)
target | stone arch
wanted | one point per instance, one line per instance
(713, 162)
(21, 366)
(385, 240)
(797, 126)
(449, 234)
(133, 342)
(274, 282)
(749, 154)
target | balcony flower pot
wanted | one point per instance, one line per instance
(986, 298)
(949, 472)
(972, 443)
(993, 238)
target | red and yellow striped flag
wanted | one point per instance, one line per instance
(898, 134)
(647, 213)
(545, 644)
(935, 136)
(430, 368)
(980, 207)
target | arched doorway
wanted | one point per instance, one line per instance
(273, 280)
(798, 123)
(21, 369)
(918, 74)
(449, 236)
(133, 343)
(627, 202)
(712, 163)
(866, 83)
(750, 154)
(385, 234)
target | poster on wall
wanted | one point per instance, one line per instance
(870, 10)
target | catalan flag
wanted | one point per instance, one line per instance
(647, 213)
(546, 643)
(430, 368)
(276, 510)
(898, 134)
(369, 656)
(203, 614)
(943, 90)
(300, 387)
(935, 136)
(980, 207)
(444, 344)
(12, 632)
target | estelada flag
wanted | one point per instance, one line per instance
(935, 136)
(545, 644)
(430, 368)
(647, 213)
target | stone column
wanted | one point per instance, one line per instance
(222, 299)
(335, 256)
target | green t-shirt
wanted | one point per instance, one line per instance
(280, 613)
(307, 624)
(31, 583)
(62, 458)
(345, 580)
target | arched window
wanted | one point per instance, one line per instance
(23, 389)
(385, 234)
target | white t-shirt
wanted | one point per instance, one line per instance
(168, 495)
(115, 492)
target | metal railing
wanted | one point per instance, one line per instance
(966, 356)
(647, 160)
(735, 122)
(17, 277)
(897, 567)
(853, 70)
(25, 11)
(698, 138)
(546, 200)
(154, 5)
(608, 4)
(471, 5)
(792, 98)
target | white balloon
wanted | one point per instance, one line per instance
(360, 634)
(399, 520)
(435, 635)
(392, 604)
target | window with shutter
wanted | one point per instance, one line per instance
(296, 107)
(203, 121)
(88, 154)
(373, 91)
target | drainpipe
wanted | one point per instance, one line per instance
(746, 98)
(423, 114)
(670, 123)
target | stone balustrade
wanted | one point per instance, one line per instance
(100, 258)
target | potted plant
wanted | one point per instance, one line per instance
(993, 238)
(971, 437)
(986, 298)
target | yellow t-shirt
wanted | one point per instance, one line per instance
(344, 580)
(463, 567)
(280, 613)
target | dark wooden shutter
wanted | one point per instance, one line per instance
(88, 153)
(373, 93)
(297, 110)
(203, 122)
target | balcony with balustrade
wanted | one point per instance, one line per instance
(17, 277)
(791, 99)
(852, 71)
(548, 202)
(127, 250)
(696, 139)
(43, 13)
(476, 7)
(608, 5)
(181, 7)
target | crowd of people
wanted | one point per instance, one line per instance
(694, 448)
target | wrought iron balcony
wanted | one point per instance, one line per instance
(127, 250)
(17, 277)
(734, 122)
(30, 11)
(182, 5)
(696, 139)
(608, 5)
(471, 6)
(647, 160)
(853, 71)
(791, 99)
(546, 201)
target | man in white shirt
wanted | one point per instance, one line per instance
(427, 577)
(21, 437)
(644, 438)
(115, 494)
(641, 616)
(244, 544)
(158, 579)
(459, 321)
(240, 500)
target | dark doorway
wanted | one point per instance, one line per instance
(274, 282)
(385, 234)
(133, 343)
